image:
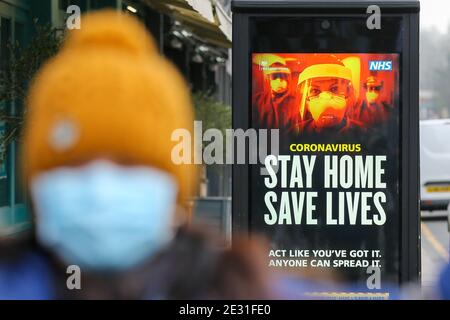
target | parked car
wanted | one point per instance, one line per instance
(435, 164)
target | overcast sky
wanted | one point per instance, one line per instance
(435, 13)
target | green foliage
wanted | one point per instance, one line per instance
(16, 75)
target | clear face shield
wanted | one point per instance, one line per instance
(326, 99)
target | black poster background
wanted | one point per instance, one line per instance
(306, 35)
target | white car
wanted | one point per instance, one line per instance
(435, 164)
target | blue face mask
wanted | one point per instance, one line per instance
(103, 216)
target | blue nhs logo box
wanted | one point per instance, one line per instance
(382, 65)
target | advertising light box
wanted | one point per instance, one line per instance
(340, 194)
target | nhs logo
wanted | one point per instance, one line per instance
(382, 65)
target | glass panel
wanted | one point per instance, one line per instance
(5, 38)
